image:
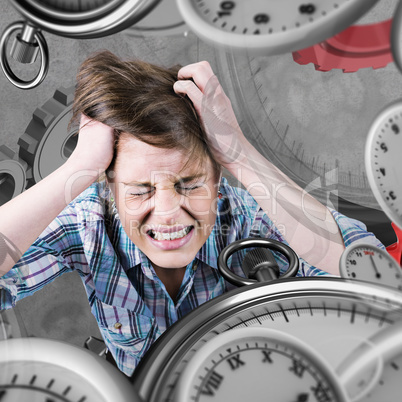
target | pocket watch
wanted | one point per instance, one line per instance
(367, 262)
(270, 27)
(217, 347)
(38, 370)
(383, 160)
(83, 19)
(80, 19)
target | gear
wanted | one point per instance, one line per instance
(359, 46)
(47, 143)
(395, 249)
(12, 174)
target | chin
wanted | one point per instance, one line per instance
(172, 261)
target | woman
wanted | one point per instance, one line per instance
(145, 239)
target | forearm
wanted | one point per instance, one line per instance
(304, 222)
(24, 218)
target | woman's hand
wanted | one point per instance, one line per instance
(95, 145)
(224, 136)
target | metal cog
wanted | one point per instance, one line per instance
(46, 143)
(359, 46)
(13, 178)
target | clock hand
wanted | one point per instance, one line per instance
(377, 274)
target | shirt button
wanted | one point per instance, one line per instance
(117, 325)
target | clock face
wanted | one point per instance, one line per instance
(44, 370)
(39, 382)
(229, 367)
(384, 162)
(335, 317)
(369, 263)
(270, 27)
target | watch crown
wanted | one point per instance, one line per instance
(25, 48)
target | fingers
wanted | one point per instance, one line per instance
(200, 72)
(191, 90)
(196, 80)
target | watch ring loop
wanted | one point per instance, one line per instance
(237, 245)
(19, 83)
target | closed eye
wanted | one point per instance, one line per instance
(141, 194)
(189, 188)
(178, 188)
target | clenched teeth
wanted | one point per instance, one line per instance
(170, 236)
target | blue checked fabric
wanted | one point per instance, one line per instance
(129, 302)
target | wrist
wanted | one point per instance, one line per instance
(82, 163)
(77, 176)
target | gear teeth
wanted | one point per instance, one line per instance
(43, 117)
(6, 152)
(49, 121)
(359, 46)
(64, 95)
(28, 144)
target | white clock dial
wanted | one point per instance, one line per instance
(383, 160)
(270, 27)
(369, 263)
(259, 362)
(44, 370)
(333, 316)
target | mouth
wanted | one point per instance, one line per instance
(169, 236)
(168, 239)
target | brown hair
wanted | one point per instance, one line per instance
(137, 98)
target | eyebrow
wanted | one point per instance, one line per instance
(186, 179)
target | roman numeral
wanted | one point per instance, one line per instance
(267, 356)
(212, 385)
(320, 393)
(235, 362)
(297, 368)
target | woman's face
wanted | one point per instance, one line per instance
(167, 212)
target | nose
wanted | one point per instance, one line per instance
(167, 205)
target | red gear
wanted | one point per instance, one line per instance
(359, 46)
(395, 249)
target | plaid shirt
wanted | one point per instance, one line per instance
(128, 300)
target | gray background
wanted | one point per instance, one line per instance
(333, 106)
